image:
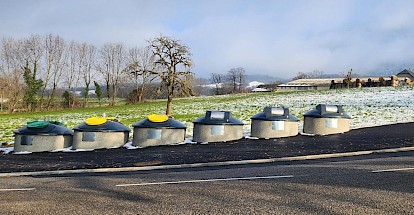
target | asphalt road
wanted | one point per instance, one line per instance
(382, 137)
(375, 184)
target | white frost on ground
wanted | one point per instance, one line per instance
(114, 147)
(7, 150)
(129, 145)
(248, 136)
(368, 106)
(306, 134)
(69, 149)
(186, 141)
(22, 153)
(58, 150)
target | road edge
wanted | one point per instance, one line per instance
(210, 164)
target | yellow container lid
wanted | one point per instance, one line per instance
(95, 121)
(157, 118)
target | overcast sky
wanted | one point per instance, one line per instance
(275, 37)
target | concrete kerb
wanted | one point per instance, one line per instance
(211, 164)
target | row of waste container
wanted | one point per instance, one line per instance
(215, 126)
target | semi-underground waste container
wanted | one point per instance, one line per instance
(326, 119)
(158, 130)
(217, 126)
(97, 133)
(40, 136)
(274, 122)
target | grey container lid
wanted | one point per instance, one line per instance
(218, 118)
(327, 111)
(108, 126)
(275, 114)
(49, 128)
(170, 123)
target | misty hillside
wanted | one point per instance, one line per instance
(267, 79)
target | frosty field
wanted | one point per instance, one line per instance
(368, 107)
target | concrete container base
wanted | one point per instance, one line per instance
(273, 129)
(217, 133)
(325, 126)
(157, 136)
(99, 140)
(42, 143)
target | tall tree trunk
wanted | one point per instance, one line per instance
(170, 96)
(141, 93)
(169, 105)
(139, 89)
(52, 96)
(140, 96)
(114, 92)
(46, 82)
(73, 99)
(108, 90)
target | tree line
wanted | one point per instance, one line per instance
(231, 82)
(35, 69)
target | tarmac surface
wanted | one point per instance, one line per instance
(375, 138)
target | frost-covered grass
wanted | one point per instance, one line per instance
(368, 106)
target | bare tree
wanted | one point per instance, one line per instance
(86, 58)
(300, 75)
(218, 80)
(232, 79)
(316, 74)
(54, 47)
(236, 78)
(309, 75)
(11, 90)
(49, 57)
(141, 66)
(31, 53)
(174, 59)
(185, 88)
(112, 66)
(199, 87)
(11, 86)
(103, 66)
(58, 67)
(118, 75)
(72, 72)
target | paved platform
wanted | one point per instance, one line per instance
(375, 138)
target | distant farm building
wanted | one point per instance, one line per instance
(296, 87)
(265, 88)
(256, 87)
(333, 83)
(406, 73)
(259, 89)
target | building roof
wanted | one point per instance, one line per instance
(258, 89)
(315, 81)
(295, 85)
(327, 81)
(406, 72)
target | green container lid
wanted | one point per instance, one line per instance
(37, 124)
(44, 128)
